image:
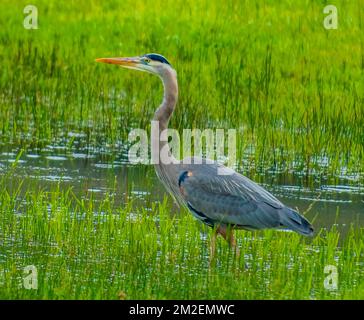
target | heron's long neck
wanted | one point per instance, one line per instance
(168, 173)
(164, 112)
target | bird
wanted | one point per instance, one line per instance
(224, 202)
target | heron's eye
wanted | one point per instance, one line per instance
(146, 60)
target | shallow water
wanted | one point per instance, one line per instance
(331, 200)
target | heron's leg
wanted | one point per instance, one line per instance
(228, 235)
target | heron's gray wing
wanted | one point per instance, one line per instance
(229, 199)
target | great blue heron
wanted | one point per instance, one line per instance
(224, 202)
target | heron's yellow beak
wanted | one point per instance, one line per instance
(124, 62)
(136, 63)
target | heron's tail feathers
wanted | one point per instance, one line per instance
(294, 221)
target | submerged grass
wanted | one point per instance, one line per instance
(84, 250)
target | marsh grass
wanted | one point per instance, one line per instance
(84, 250)
(293, 90)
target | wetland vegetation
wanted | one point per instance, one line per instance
(97, 227)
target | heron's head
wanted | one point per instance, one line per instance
(151, 62)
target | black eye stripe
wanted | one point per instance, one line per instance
(157, 57)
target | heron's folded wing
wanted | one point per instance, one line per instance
(231, 199)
